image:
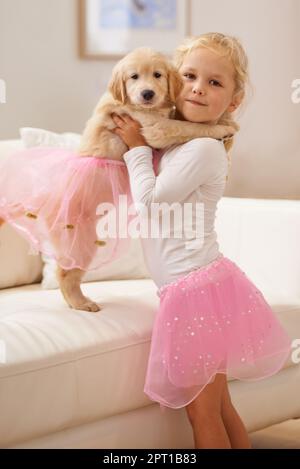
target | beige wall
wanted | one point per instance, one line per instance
(49, 86)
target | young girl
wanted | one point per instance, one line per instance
(212, 320)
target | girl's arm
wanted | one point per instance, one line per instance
(196, 163)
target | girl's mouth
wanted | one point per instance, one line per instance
(196, 103)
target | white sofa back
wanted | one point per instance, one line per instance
(260, 235)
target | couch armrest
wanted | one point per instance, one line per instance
(7, 147)
(17, 267)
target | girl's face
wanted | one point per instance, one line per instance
(208, 87)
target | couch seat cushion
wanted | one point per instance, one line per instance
(66, 367)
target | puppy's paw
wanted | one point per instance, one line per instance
(222, 131)
(87, 305)
(231, 130)
(154, 136)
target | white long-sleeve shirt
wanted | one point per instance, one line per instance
(193, 173)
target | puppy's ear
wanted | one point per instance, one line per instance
(175, 83)
(117, 85)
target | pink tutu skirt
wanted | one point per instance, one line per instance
(52, 198)
(212, 320)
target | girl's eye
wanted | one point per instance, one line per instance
(215, 82)
(190, 76)
(157, 74)
(135, 76)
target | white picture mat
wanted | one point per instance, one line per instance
(119, 41)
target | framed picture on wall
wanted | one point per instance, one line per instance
(112, 28)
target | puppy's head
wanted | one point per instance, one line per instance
(146, 79)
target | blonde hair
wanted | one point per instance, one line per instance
(226, 46)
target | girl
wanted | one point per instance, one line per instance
(212, 320)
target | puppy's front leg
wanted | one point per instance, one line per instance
(98, 140)
(167, 132)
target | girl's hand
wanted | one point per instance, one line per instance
(128, 130)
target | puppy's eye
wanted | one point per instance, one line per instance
(157, 74)
(134, 76)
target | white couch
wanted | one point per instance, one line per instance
(71, 379)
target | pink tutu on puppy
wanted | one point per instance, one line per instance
(212, 320)
(52, 196)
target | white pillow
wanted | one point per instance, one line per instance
(33, 137)
(129, 266)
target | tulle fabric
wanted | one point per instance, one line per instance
(52, 197)
(213, 320)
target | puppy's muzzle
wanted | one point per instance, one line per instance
(148, 94)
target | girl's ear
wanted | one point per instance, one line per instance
(117, 85)
(236, 101)
(175, 83)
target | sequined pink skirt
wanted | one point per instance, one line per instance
(212, 320)
(53, 198)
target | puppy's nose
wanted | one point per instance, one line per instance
(148, 94)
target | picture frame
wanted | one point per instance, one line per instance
(109, 29)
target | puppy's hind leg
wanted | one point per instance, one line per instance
(69, 282)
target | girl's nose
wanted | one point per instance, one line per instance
(198, 89)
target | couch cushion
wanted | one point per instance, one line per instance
(80, 366)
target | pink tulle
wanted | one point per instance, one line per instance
(52, 197)
(213, 320)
